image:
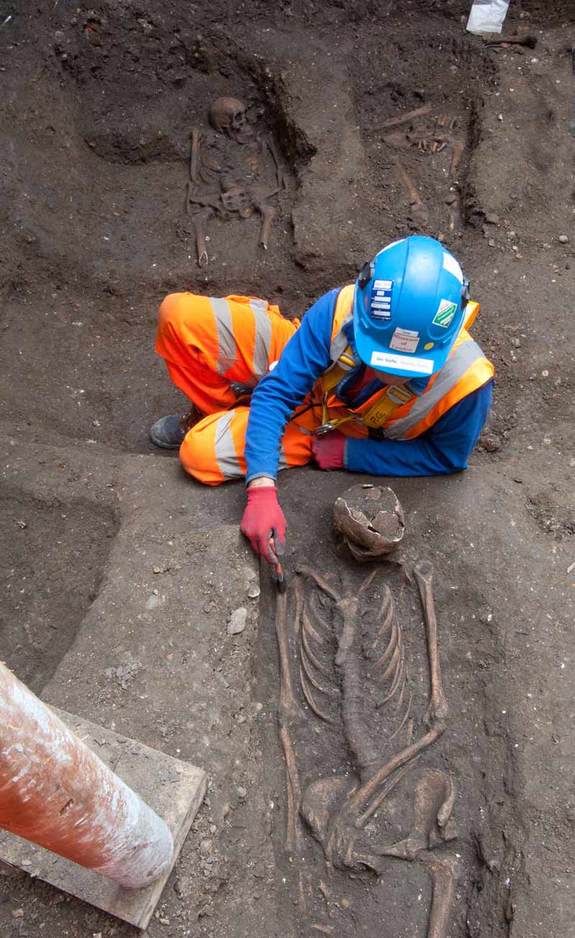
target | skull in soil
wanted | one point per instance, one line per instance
(370, 519)
(229, 115)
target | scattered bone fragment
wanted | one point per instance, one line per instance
(528, 40)
(405, 118)
(371, 521)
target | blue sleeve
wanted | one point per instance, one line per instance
(303, 360)
(445, 448)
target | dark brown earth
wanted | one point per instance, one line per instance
(116, 569)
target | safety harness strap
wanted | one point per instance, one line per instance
(378, 411)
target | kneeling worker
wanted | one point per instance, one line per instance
(381, 377)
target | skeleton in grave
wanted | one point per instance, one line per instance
(352, 670)
(234, 171)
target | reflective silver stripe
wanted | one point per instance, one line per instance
(227, 348)
(282, 462)
(455, 367)
(225, 451)
(263, 330)
(339, 343)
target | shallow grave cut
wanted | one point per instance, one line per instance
(384, 805)
(51, 565)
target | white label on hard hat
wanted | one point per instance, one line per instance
(381, 299)
(451, 266)
(404, 340)
(405, 363)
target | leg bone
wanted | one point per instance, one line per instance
(442, 872)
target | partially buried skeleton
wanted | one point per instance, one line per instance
(234, 172)
(353, 673)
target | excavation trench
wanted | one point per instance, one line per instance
(385, 121)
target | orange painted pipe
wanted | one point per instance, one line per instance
(57, 793)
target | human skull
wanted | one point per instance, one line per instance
(371, 520)
(229, 115)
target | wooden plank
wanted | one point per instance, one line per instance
(173, 788)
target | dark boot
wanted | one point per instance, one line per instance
(169, 432)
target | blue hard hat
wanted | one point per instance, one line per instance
(408, 308)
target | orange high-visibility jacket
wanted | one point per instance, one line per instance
(401, 414)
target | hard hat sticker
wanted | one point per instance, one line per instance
(423, 366)
(404, 340)
(445, 313)
(381, 299)
(452, 266)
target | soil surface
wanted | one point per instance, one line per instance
(121, 577)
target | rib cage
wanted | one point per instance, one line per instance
(345, 669)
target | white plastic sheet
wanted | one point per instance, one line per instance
(487, 16)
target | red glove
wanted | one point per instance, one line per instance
(329, 450)
(263, 520)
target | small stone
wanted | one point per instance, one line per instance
(18, 913)
(563, 239)
(157, 569)
(491, 243)
(226, 809)
(545, 373)
(205, 846)
(241, 718)
(492, 219)
(490, 442)
(254, 591)
(516, 342)
(242, 792)
(237, 621)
